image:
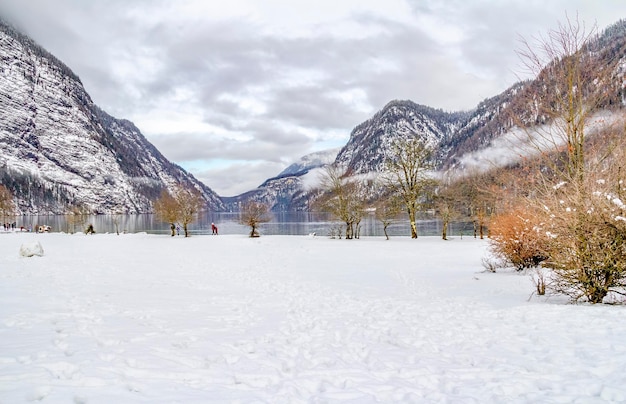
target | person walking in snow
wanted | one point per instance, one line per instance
(213, 228)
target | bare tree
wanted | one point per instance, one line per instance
(447, 203)
(253, 214)
(7, 206)
(166, 209)
(445, 208)
(116, 218)
(343, 198)
(76, 217)
(189, 203)
(408, 170)
(388, 209)
(573, 82)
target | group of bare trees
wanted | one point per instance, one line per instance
(179, 207)
(407, 186)
(183, 205)
(343, 199)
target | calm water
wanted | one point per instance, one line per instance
(291, 223)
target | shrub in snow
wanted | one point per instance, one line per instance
(31, 249)
(515, 238)
(587, 252)
(540, 280)
(491, 265)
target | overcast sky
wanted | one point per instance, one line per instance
(236, 90)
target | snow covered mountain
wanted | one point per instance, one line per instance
(309, 162)
(454, 135)
(291, 189)
(365, 152)
(58, 149)
(370, 142)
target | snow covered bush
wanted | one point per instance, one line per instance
(516, 238)
(587, 243)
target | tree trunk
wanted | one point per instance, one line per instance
(413, 223)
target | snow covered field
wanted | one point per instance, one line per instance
(289, 319)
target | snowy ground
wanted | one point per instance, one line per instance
(154, 319)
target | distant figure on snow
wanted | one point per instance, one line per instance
(214, 228)
(90, 229)
(178, 230)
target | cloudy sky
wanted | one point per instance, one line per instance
(236, 90)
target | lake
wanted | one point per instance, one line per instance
(283, 223)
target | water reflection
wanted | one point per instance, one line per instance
(285, 223)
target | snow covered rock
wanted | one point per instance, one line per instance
(31, 248)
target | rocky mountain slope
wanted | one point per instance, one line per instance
(58, 149)
(370, 142)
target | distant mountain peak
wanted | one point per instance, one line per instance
(310, 161)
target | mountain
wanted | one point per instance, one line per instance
(58, 149)
(485, 123)
(291, 189)
(309, 162)
(370, 142)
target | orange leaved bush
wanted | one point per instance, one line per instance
(516, 238)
